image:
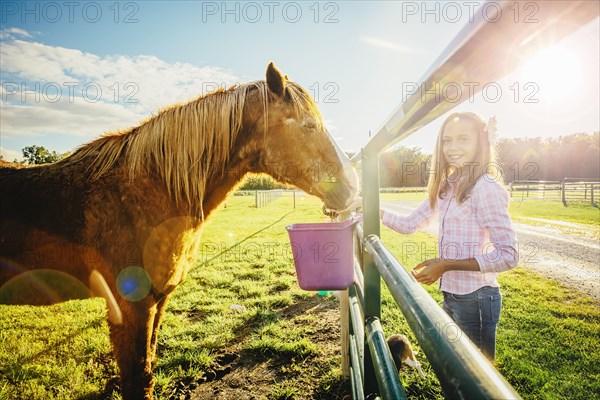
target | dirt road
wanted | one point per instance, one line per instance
(560, 250)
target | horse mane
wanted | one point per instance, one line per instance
(184, 143)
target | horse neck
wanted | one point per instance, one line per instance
(195, 147)
(241, 160)
(218, 190)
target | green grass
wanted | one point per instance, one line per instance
(549, 338)
(580, 213)
(403, 196)
(61, 351)
(286, 342)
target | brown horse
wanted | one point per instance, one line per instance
(121, 217)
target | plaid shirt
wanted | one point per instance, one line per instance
(478, 228)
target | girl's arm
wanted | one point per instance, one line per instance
(492, 214)
(417, 219)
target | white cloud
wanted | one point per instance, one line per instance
(78, 118)
(12, 33)
(51, 89)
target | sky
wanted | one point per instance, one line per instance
(71, 71)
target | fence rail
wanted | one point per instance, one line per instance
(416, 189)
(567, 190)
(263, 198)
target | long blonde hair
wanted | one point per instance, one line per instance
(442, 170)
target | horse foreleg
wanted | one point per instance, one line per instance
(160, 311)
(132, 345)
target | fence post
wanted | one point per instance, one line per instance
(344, 319)
(345, 325)
(294, 193)
(564, 199)
(256, 198)
(543, 191)
(372, 279)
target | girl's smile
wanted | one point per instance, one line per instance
(460, 141)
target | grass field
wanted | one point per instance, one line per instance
(579, 219)
(277, 341)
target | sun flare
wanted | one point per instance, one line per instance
(556, 72)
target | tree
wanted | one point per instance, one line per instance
(552, 159)
(261, 182)
(40, 155)
(403, 167)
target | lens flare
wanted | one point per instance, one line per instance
(133, 283)
(41, 287)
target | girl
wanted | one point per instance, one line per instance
(476, 240)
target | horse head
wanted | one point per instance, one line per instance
(296, 148)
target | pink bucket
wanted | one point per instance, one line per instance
(324, 254)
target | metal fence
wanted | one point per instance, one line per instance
(481, 52)
(263, 198)
(416, 189)
(568, 190)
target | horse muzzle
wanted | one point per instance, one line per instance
(341, 192)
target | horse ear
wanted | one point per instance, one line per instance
(275, 80)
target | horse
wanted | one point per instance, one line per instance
(121, 217)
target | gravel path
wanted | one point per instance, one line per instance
(571, 258)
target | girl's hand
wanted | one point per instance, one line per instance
(433, 270)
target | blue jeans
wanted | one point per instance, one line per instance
(477, 314)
